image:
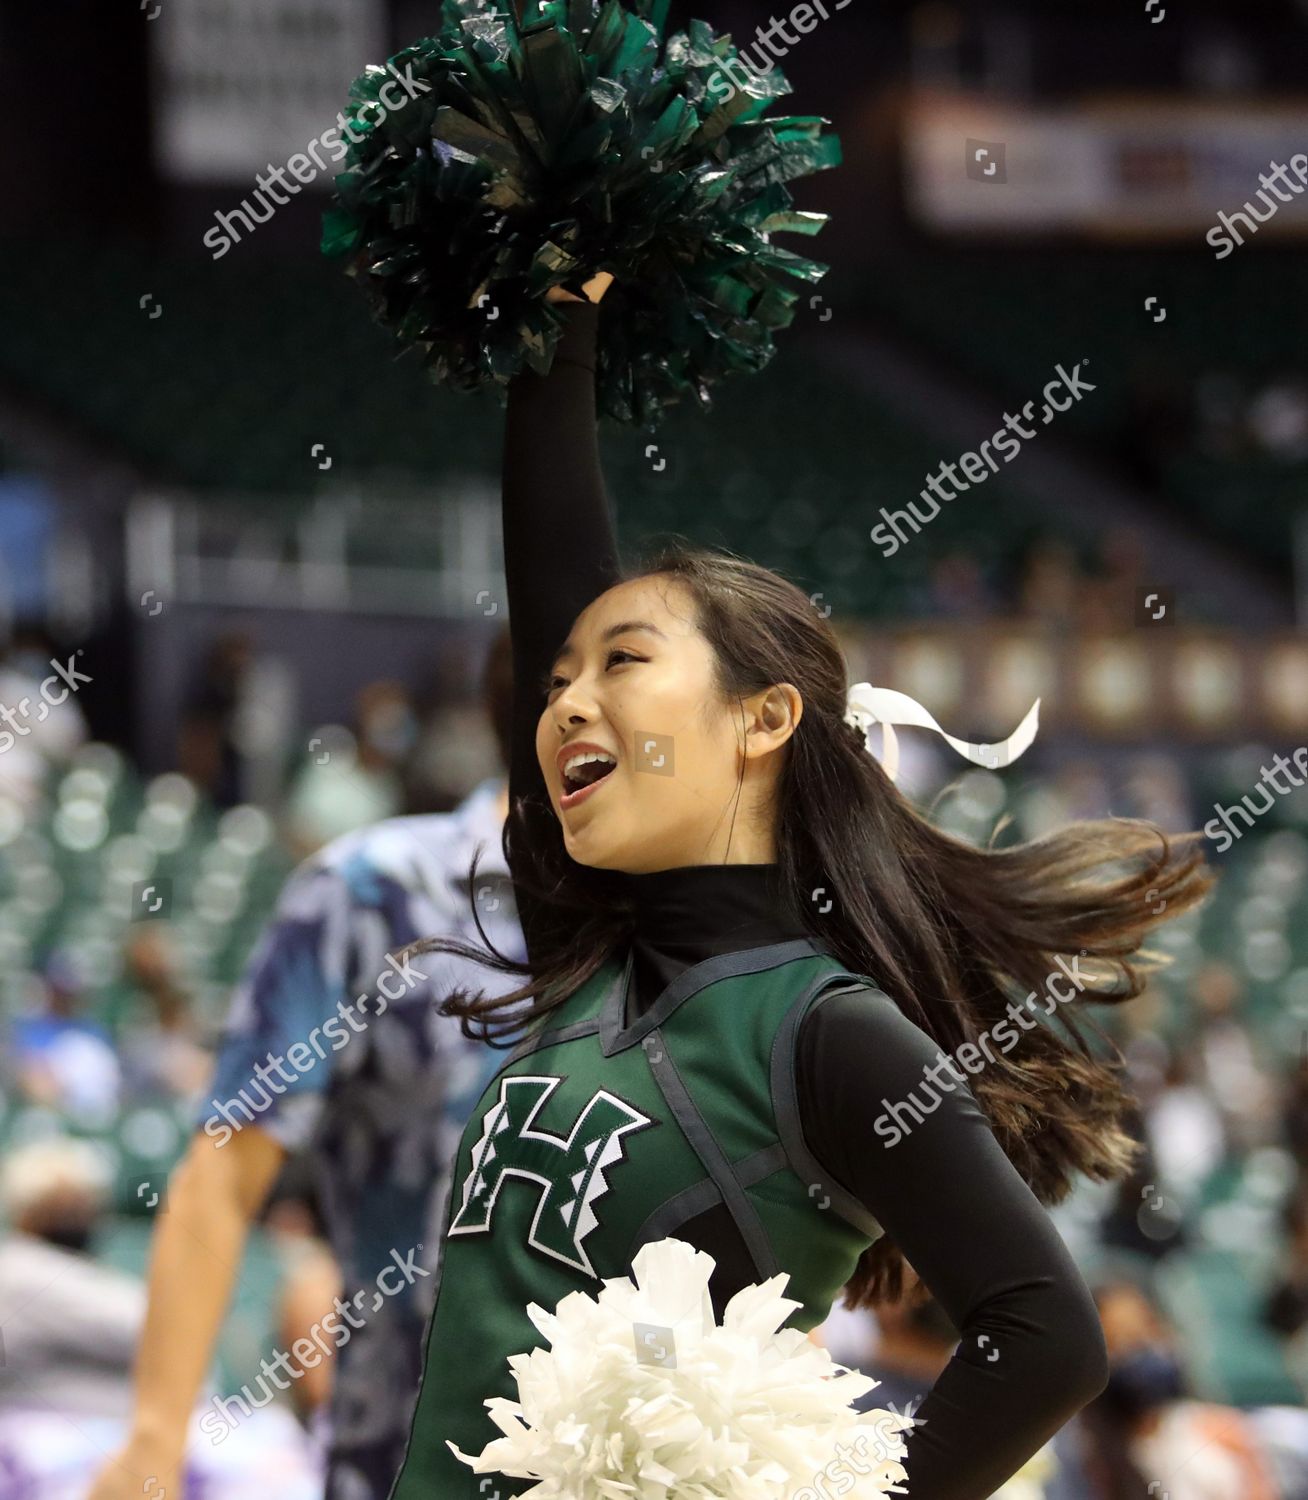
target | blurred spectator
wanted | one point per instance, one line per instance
(40, 729)
(1286, 1309)
(1143, 1218)
(1107, 594)
(70, 1325)
(388, 725)
(1232, 1073)
(71, 1329)
(1051, 578)
(1185, 1129)
(354, 780)
(209, 749)
(161, 1051)
(61, 1059)
(455, 746)
(1146, 1436)
(378, 1112)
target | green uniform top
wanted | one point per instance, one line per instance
(597, 1137)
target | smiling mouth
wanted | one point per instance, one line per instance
(576, 787)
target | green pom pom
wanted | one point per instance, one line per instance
(533, 155)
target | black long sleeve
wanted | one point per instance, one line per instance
(560, 551)
(1031, 1350)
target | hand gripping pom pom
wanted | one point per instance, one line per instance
(519, 157)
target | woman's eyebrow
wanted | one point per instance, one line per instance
(569, 648)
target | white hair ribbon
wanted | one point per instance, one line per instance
(868, 705)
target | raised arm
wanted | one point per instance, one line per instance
(560, 551)
(1031, 1350)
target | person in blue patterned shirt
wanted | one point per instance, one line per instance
(334, 1048)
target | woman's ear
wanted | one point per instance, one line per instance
(771, 717)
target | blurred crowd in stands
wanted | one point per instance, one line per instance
(1199, 1260)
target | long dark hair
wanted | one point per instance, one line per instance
(952, 933)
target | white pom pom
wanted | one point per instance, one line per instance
(642, 1396)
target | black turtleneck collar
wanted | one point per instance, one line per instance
(693, 912)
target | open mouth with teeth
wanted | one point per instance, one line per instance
(582, 774)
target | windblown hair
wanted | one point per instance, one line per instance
(951, 932)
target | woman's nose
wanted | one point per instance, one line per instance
(574, 705)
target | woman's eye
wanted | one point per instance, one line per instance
(552, 682)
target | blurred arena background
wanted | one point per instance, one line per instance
(250, 575)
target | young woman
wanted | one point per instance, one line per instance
(748, 956)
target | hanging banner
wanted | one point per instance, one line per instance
(1126, 167)
(242, 84)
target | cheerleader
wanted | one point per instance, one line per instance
(772, 1010)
